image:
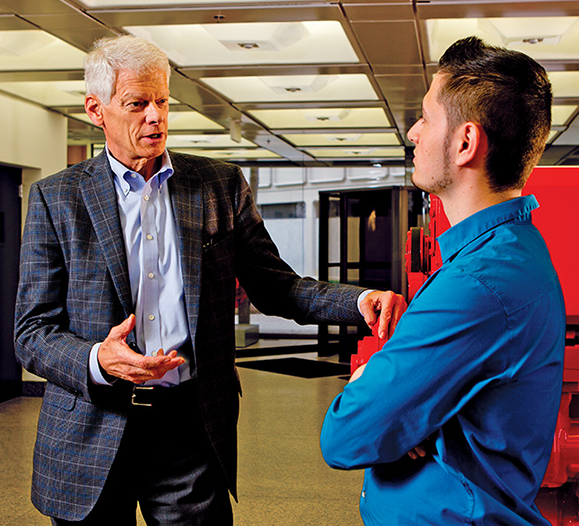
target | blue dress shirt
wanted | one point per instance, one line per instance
(150, 235)
(475, 366)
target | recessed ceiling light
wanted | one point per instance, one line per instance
(265, 36)
(288, 88)
(205, 141)
(565, 83)
(543, 38)
(361, 153)
(312, 42)
(37, 50)
(320, 118)
(561, 114)
(359, 139)
(250, 154)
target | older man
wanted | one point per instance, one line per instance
(126, 307)
(473, 371)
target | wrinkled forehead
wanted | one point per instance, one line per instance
(152, 83)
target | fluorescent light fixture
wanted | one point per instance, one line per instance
(359, 153)
(54, 93)
(81, 116)
(337, 139)
(191, 120)
(543, 38)
(35, 49)
(50, 93)
(178, 120)
(319, 42)
(258, 36)
(546, 31)
(141, 3)
(552, 135)
(298, 83)
(561, 114)
(253, 154)
(322, 118)
(19, 44)
(565, 83)
(205, 141)
(294, 88)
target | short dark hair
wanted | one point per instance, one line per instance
(509, 95)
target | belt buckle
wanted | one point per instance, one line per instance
(144, 390)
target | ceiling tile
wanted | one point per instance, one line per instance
(294, 88)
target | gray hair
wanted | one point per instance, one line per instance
(109, 56)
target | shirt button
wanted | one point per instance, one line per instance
(149, 237)
(151, 275)
(146, 198)
(151, 317)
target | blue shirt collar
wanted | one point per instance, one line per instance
(465, 232)
(124, 176)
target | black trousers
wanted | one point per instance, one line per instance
(167, 465)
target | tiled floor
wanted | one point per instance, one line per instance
(283, 479)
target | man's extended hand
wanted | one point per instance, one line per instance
(390, 307)
(417, 452)
(118, 359)
(427, 447)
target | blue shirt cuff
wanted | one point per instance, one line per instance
(362, 296)
(94, 368)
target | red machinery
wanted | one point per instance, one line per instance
(556, 189)
(422, 259)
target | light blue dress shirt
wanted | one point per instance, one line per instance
(475, 364)
(151, 243)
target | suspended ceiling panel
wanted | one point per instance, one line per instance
(294, 88)
(295, 82)
(320, 42)
(340, 139)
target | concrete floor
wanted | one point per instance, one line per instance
(283, 479)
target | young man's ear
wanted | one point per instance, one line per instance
(93, 108)
(471, 143)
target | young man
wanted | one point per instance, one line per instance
(126, 307)
(471, 379)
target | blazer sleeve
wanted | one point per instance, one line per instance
(43, 343)
(271, 284)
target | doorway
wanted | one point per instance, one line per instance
(10, 237)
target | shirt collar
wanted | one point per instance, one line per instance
(465, 232)
(123, 174)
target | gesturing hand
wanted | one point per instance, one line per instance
(119, 360)
(390, 307)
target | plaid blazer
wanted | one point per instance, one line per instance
(74, 287)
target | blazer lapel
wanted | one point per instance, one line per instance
(187, 199)
(100, 199)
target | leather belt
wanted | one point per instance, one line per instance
(159, 396)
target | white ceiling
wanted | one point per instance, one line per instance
(278, 82)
